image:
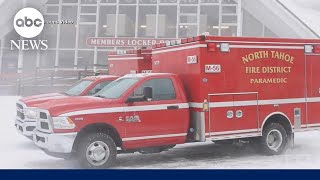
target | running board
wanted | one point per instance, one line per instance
(233, 136)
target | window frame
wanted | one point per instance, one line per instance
(159, 78)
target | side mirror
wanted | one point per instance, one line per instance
(147, 93)
(133, 99)
(147, 96)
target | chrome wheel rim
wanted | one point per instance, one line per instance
(98, 153)
(274, 139)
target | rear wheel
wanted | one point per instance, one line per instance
(97, 150)
(274, 140)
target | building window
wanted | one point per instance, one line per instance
(107, 21)
(52, 9)
(229, 30)
(89, 1)
(127, 1)
(168, 1)
(102, 59)
(69, 1)
(85, 59)
(66, 59)
(167, 21)
(85, 31)
(147, 21)
(126, 21)
(108, 1)
(47, 58)
(52, 2)
(88, 9)
(68, 31)
(189, 1)
(209, 20)
(147, 1)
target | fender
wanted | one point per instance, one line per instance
(275, 113)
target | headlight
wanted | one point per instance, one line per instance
(31, 113)
(63, 123)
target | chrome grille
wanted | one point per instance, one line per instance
(20, 113)
(43, 115)
(44, 121)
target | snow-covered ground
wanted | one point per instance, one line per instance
(18, 152)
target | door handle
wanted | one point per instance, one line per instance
(172, 107)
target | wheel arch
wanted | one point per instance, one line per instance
(278, 117)
(99, 127)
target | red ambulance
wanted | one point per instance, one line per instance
(204, 88)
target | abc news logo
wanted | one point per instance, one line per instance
(29, 23)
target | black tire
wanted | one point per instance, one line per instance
(99, 142)
(277, 144)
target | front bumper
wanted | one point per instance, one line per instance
(25, 128)
(54, 142)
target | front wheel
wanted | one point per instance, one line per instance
(274, 140)
(97, 150)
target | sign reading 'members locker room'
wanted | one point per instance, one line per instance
(123, 42)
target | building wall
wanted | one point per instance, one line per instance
(129, 18)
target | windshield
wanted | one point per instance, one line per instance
(79, 87)
(115, 89)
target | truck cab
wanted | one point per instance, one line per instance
(26, 116)
(137, 112)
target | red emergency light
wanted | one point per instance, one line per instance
(316, 49)
(312, 49)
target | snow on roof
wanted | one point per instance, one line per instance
(307, 11)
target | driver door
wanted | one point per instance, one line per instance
(155, 122)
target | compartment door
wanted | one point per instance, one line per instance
(233, 114)
(313, 90)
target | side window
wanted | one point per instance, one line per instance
(98, 87)
(162, 89)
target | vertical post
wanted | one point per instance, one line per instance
(220, 17)
(1, 53)
(20, 60)
(76, 46)
(95, 55)
(137, 20)
(178, 19)
(38, 61)
(56, 62)
(157, 19)
(116, 24)
(198, 18)
(117, 19)
(239, 18)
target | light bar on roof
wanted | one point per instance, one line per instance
(308, 49)
(224, 47)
